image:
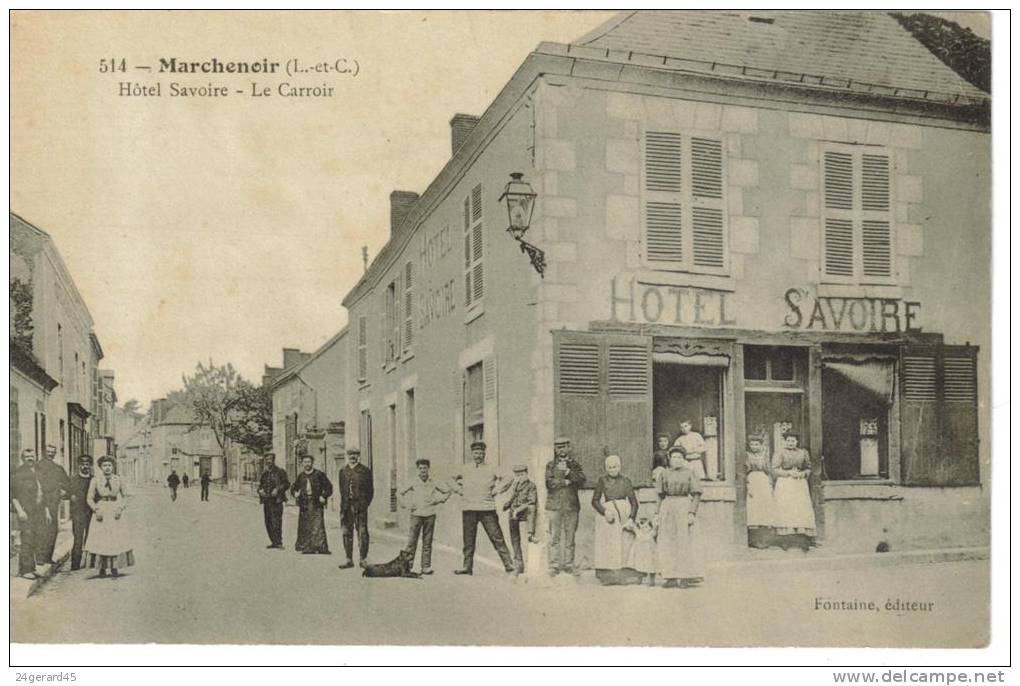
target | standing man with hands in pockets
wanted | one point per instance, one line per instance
(563, 478)
(273, 485)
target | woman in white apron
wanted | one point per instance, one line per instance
(616, 503)
(759, 494)
(108, 546)
(677, 550)
(794, 517)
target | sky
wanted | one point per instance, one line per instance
(230, 228)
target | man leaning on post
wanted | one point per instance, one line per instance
(563, 478)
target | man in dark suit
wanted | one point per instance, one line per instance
(273, 485)
(356, 491)
(204, 482)
(81, 513)
(54, 483)
(27, 499)
(563, 478)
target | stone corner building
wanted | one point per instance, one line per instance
(759, 222)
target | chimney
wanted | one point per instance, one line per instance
(460, 127)
(291, 357)
(401, 203)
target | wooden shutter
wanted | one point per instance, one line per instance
(468, 290)
(857, 239)
(876, 226)
(474, 276)
(938, 416)
(838, 238)
(362, 347)
(603, 399)
(408, 306)
(707, 221)
(664, 238)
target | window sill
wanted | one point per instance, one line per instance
(474, 313)
(846, 290)
(659, 277)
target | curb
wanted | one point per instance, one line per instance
(24, 588)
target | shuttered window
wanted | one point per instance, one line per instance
(938, 416)
(408, 306)
(362, 347)
(474, 270)
(684, 214)
(857, 227)
(603, 394)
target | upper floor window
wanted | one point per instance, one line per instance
(362, 347)
(857, 236)
(408, 306)
(684, 208)
(474, 273)
(391, 330)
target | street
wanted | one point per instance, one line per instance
(203, 575)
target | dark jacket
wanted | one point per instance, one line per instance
(309, 488)
(561, 493)
(173, 481)
(54, 482)
(25, 488)
(273, 478)
(79, 494)
(356, 488)
(525, 494)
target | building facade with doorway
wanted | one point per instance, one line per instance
(178, 442)
(748, 223)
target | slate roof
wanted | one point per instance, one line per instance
(860, 47)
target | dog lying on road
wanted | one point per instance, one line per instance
(398, 566)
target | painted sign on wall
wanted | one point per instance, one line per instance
(679, 305)
(873, 315)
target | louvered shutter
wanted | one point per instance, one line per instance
(468, 290)
(603, 399)
(857, 224)
(397, 325)
(876, 227)
(408, 306)
(362, 347)
(474, 276)
(938, 416)
(664, 231)
(707, 222)
(838, 238)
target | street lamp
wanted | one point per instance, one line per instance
(520, 205)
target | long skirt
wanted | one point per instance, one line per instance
(794, 513)
(311, 532)
(677, 552)
(612, 545)
(759, 500)
(109, 541)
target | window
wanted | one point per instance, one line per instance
(408, 307)
(857, 397)
(684, 214)
(365, 437)
(474, 276)
(857, 221)
(362, 347)
(474, 408)
(769, 363)
(60, 352)
(392, 416)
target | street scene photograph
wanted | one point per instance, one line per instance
(641, 328)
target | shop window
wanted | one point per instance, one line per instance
(684, 211)
(474, 271)
(857, 396)
(857, 217)
(771, 363)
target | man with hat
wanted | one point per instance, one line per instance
(563, 478)
(27, 499)
(81, 513)
(521, 508)
(356, 491)
(273, 485)
(54, 483)
(478, 484)
(423, 498)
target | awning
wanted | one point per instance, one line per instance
(876, 374)
(699, 360)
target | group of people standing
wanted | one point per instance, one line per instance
(97, 504)
(779, 507)
(174, 482)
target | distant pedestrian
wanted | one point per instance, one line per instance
(423, 498)
(273, 485)
(312, 489)
(521, 507)
(27, 499)
(563, 477)
(185, 480)
(54, 483)
(479, 484)
(108, 546)
(81, 513)
(173, 481)
(204, 481)
(356, 492)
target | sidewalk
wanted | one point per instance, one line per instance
(23, 588)
(743, 562)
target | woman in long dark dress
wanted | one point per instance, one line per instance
(616, 504)
(312, 490)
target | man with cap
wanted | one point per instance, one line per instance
(273, 485)
(521, 508)
(203, 481)
(27, 499)
(478, 484)
(423, 498)
(172, 482)
(356, 491)
(563, 478)
(54, 483)
(81, 513)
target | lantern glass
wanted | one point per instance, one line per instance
(520, 204)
